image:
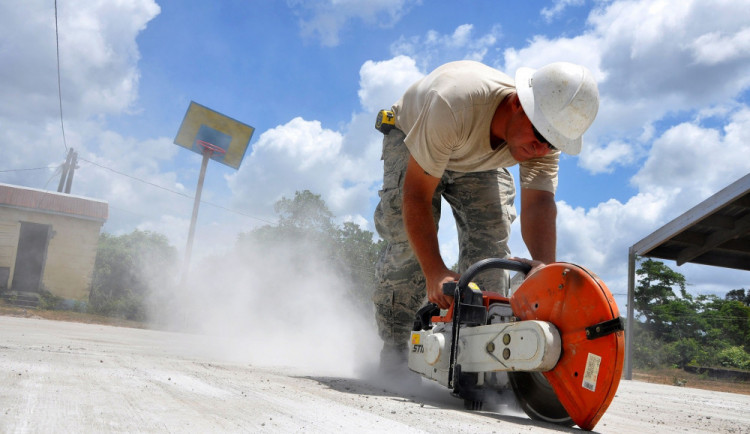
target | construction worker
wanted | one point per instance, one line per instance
(454, 134)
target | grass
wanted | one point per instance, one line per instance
(67, 315)
(679, 377)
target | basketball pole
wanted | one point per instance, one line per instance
(189, 249)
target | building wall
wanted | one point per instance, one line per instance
(71, 251)
(8, 244)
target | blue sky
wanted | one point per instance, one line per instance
(673, 126)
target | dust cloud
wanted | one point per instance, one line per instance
(287, 305)
(280, 305)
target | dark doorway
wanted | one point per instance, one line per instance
(31, 256)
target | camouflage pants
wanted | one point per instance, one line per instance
(482, 205)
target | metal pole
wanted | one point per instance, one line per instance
(71, 172)
(64, 174)
(629, 325)
(189, 249)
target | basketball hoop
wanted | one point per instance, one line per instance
(210, 147)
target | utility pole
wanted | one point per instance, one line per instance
(69, 168)
(71, 171)
(64, 175)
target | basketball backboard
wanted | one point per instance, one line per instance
(201, 124)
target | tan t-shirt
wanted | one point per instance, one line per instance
(446, 117)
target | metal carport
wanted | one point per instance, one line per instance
(714, 232)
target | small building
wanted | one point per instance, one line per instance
(48, 242)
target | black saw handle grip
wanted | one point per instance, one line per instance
(489, 263)
(449, 288)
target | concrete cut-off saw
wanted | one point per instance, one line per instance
(559, 337)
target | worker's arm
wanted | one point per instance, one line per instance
(538, 225)
(419, 187)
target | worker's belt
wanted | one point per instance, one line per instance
(385, 121)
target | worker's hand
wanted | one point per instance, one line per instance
(535, 265)
(435, 288)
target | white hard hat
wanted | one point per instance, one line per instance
(561, 100)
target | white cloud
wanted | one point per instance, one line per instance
(98, 55)
(698, 161)
(382, 83)
(717, 47)
(325, 19)
(599, 236)
(434, 49)
(652, 58)
(558, 7)
(604, 159)
(648, 49)
(303, 145)
(584, 50)
(302, 155)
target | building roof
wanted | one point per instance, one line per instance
(714, 232)
(53, 203)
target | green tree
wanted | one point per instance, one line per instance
(655, 299)
(734, 357)
(356, 254)
(677, 330)
(739, 295)
(126, 269)
(305, 217)
(727, 321)
(305, 229)
(306, 212)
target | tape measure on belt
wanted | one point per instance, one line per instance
(385, 121)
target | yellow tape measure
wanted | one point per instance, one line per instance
(385, 121)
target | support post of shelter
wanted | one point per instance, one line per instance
(631, 311)
(196, 205)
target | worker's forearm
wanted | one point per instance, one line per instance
(422, 233)
(538, 228)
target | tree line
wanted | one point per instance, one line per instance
(676, 328)
(136, 271)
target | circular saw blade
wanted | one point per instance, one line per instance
(537, 398)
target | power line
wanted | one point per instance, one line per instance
(23, 170)
(137, 179)
(59, 87)
(176, 192)
(705, 315)
(55, 173)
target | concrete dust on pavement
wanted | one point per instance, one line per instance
(61, 376)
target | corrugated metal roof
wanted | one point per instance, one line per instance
(53, 202)
(714, 232)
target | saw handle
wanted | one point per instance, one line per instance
(449, 288)
(489, 263)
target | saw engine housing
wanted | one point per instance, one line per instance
(559, 338)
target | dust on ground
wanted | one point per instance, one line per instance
(63, 376)
(668, 376)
